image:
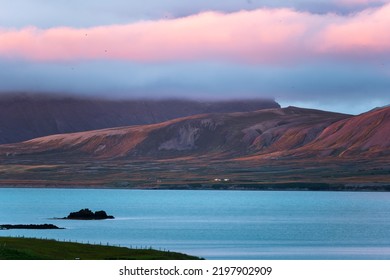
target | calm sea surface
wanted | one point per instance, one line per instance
(213, 224)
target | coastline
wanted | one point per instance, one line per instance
(294, 186)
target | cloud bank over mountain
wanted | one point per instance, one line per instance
(323, 53)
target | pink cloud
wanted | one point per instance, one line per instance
(363, 34)
(359, 2)
(260, 36)
(243, 35)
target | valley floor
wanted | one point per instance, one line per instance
(341, 175)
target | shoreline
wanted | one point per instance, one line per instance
(296, 186)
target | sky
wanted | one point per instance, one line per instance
(326, 54)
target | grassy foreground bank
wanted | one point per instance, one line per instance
(37, 249)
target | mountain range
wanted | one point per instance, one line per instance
(257, 149)
(268, 133)
(27, 116)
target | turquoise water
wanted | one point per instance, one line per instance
(213, 224)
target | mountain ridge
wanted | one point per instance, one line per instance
(271, 149)
(27, 116)
(225, 135)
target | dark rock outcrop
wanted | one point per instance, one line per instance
(86, 214)
(31, 226)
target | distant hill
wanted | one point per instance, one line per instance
(224, 135)
(24, 117)
(283, 148)
(268, 133)
(366, 135)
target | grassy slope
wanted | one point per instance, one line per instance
(37, 249)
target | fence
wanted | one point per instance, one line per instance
(137, 247)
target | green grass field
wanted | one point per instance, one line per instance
(38, 249)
